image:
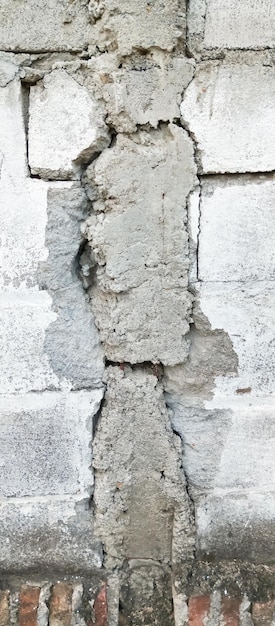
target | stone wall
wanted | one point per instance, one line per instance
(137, 202)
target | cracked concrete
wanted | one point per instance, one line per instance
(137, 296)
(140, 245)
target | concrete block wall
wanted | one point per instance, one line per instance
(137, 313)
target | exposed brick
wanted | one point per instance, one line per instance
(4, 608)
(230, 611)
(263, 612)
(60, 605)
(198, 609)
(101, 607)
(28, 605)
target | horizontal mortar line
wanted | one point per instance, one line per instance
(77, 497)
(73, 51)
(68, 390)
(214, 49)
(53, 180)
(211, 175)
(247, 283)
(220, 491)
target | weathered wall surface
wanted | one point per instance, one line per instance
(137, 312)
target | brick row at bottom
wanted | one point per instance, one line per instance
(61, 604)
(67, 604)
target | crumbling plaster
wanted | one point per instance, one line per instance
(136, 160)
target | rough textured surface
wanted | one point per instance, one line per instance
(149, 92)
(66, 127)
(71, 340)
(222, 109)
(211, 354)
(150, 24)
(140, 477)
(23, 320)
(236, 218)
(47, 535)
(238, 309)
(237, 526)
(243, 438)
(45, 442)
(22, 248)
(137, 313)
(53, 342)
(36, 26)
(73, 25)
(13, 158)
(140, 245)
(240, 25)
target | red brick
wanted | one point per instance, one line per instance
(230, 611)
(60, 605)
(28, 605)
(263, 612)
(4, 608)
(101, 607)
(198, 609)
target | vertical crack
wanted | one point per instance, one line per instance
(199, 229)
(26, 112)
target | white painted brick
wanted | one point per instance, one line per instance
(237, 230)
(247, 314)
(23, 323)
(23, 215)
(237, 526)
(45, 443)
(13, 159)
(46, 534)
(242, 457)
(39, 25)
(44, 350)
(248, 24)
(65, 126)
(8, 68)
(40, 238)
(230, 110)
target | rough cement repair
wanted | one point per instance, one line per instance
(136, 299)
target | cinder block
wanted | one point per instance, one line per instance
(243, 453)
(52, 340)
(13, 156)
(24, 320)
(45, 441)
(243, 25)
(229, 108)
(152, 25)
(72, 26)
(36, 26)
(246, 313)
(48, 534)
(236, 525)
(66, 127)
(23, 214)
(237, 230)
